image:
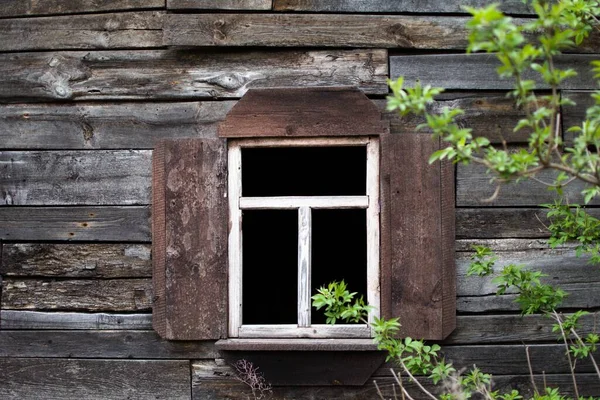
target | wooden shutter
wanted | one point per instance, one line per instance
(189, 239)
(417, 237)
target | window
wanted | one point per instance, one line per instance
(302, 212)
(407, 203)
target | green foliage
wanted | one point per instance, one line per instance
(337, 301)
(526, 51)
(482, 262)
(533, 295)
(570, 223)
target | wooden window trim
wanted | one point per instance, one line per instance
(237, 203)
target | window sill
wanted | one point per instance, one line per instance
(307, 362)
(296, 345)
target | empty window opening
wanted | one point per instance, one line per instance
(304, 171)
(339, 252)
(270, 274)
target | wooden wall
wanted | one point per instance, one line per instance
(86, 87)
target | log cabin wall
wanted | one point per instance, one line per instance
(87, 87)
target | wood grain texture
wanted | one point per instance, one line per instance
(315, 30)
(414, 197)
(101, 31)
(133, 344)
(119, 177)
(76, 261)
(504, 222)
(212, 380)
(508, 359)
(15, 8)
(159, 240)
(78, 295)
(182, 74)
(196, 227)
(562, 267)
(303, 112)
(93, 379)
(478, 71)
(106, 125)
(487, 114)
(132, 224)
(10, 319)
(394, 6)
(125, 224)
(470, 329)
(498, 329)
(473, 189)
(219, 5)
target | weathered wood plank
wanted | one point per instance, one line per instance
(495, 329)
(416, 266)
(119, 177)
(508, 359)
(189, 74)
(562, 267)
(393, 6)
(77, 261)
(107, 125)
(192, 187)
(216, 380)
(15, 8)
(219, 5)
(131, 224)
(124, 224)
(99, 31)
(473, 188)
(478, 71)
(100, 344)
(470, 329)
(490, 223)
(488, 115)
(93, 379)
(303, 112)
(318, 30)
(575, 115)
(80, 294)
(10, 319)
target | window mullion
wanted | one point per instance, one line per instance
(304, 267)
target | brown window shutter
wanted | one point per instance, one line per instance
(189, 239)
(417, 237)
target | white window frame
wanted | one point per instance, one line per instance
(304, 204)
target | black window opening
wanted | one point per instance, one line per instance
(270, 237)
(304, 171)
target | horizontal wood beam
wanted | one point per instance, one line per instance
(76, 261)
(107, 125)
(315, 30)
(478, 71)
(98, 31)
(15, 8)
(470, 329)
(140, 125)
(183, 74)
(24, 378)
(473, 188)
(59, 320)
(77, 295)
(132, 344)
(119, 177)
(219, 5)
(96, 224)
(395, 6)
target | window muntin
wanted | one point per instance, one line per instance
(305, 206)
